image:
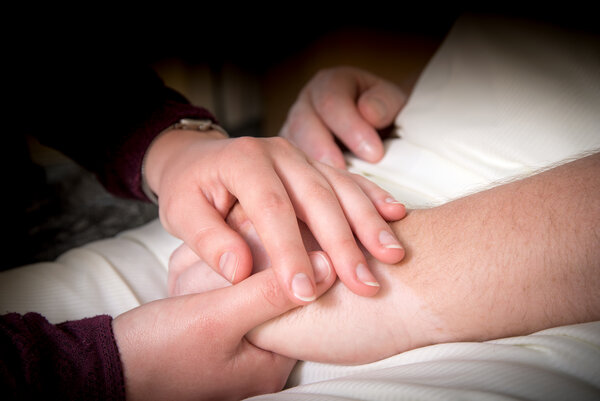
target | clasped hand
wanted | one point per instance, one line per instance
(194, 346)
(199, 177)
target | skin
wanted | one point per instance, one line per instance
(276, 183)
(199, 177)
(512, 260)
(194, 347)
(347, 104)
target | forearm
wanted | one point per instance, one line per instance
(515, 259)
(511, 260)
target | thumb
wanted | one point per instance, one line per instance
(260, 297)
(381, 103)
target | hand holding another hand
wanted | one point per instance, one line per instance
(194, 347)
(199, 177)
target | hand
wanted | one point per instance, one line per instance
(347, 103)
(468, 275)
(193, 347)
(188, 274)
(199, 177)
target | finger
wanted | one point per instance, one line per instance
(188, 274)
(387, 206)
(334, 98)
(258, 188)
(190, 217)
(364, 219)
(239, 221)
(380, 104)
(316, 204)
(260, 297)
(304, 128)
(273, 370)
(179, 261)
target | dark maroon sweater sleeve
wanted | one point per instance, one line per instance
(104, 115)
(75, 360)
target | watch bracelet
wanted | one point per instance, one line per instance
(189, 124)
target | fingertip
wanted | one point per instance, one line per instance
(390, 209)
(370, 149)
(233, 259)
(303, 289)
(389, 255)
(360, 280)
(321, 266)
(365, 276)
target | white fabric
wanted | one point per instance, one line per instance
(557, 364)
(499, 99)
(103, 277)
(496, 101)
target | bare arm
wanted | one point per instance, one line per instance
(507, 261)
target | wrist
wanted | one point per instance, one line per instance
(412, 283)
(171, 142)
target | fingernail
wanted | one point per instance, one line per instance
(366, 150)
(302, 288)
(320, 266)
(392, 201)
(388, 240)
(379, 108)
(228, 264)
(364, 275)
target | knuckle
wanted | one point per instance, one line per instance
(324, 75)
(321, 193)
(247, 146)
(275, 203)
(326, 103)
(273, 294)
(281, 143)
(321, 75)
(349, 179)
(347, 243)
(294, 128)
(327, 76)
(354, 176)
(202, 236)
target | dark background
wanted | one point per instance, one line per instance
(245, 63)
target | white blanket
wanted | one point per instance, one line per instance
(497, 101)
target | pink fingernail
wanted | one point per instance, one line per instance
(228, 264)
(364, 275)
(392, 201)
(388, 240)
(379, 107)
(302, 288)
(320, 266)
